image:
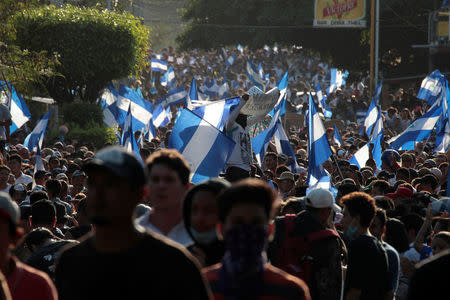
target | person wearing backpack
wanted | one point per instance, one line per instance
(304, 246)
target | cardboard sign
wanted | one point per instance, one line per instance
(261, 104)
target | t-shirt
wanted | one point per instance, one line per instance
(367, 268)
(155, 268)
(394, 265)
(4, 116)
(277, 284)
(242, 153)
(44, 258)
(28, 283)
(23, 178)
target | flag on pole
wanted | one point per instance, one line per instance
(141, 109)
(418, 131)
(240, 48)
(168, 79)
(230, 60)
(128, 140)
(336, 80)
(362, 155)
(175, 96)
(377, 94)
(318, 148)
(38, 161)
(283, 145)
(160, 116)
(217, 112)
(253, 75)
(443, 125)
(337, 137)
(371, 118)
(431, 87)
(322, 101)
(206, 148)
(17, 107)
(36, 137)
(158, 65)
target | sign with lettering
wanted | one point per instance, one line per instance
(340, 13)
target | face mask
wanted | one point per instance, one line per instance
(246, 243)
(351, 231)
(204, 238)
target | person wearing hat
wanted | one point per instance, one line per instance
(24, 282)
(311, 225)
(286, 183)
(119, 260)
(78, 182)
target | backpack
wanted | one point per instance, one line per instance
(294, 255)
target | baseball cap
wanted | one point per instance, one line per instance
(287, 176)
(9, 209)
(402, 192)
(320, 198)
(62, 176)
(120, 162)
(78, 173)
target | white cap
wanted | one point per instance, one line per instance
(320, 198)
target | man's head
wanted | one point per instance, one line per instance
(41, 177)
(377, 228)
(427, 183)
(43, 214)
(379, 187)
(116, 184)
(359, 210)
(248, 206)
(15, 164)
(4, 174)
(320, 202)
(9, 220)
(286, 182)
(168, 178)
(271, 161)
(389, 160)
(53, 187)
(78, 179)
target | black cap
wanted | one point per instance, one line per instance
(119, 162)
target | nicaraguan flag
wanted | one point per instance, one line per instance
(253, 75)
(336, 80)
(36, 137)
(378, 127)
(337, 137)
(113, 115)
(417, 131)
(38, 161)
(362, 155)
(158, 65)
(193, 94)
(283, 145)
(128, 141)
(377, 94)
(141, 110)
(160, 116)
(371, 117)
(261, 71)
(149, 131)
(318, 147)
(443, 125)
(205, 148)
(230, 60)
(176, 96)
(431, 87)
(322, 101)
(261, 141)
(17, 107)
(168, 79)
(318, 178)
(216, 113)
(240, 48)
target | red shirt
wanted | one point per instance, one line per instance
(27, 283)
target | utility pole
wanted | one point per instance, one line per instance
(372, 46)
(377, 43)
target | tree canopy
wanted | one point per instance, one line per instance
(93, 46)
(258, 22)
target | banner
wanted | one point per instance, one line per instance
(260, 104)
(340, 13)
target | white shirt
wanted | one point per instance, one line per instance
(178, 233)
(24, 179)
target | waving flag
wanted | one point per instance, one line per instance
(193, 94)
(230, 60)
(371, 118)
(318, 147)
(158, 65)
(283, 145)
(160, 116)
(337, 137)
(36, 137)
(217, 112)
(38, 161)
(176, 96)
(128, 141)
(17, 107)
(253, 75)
(336, 80)
(377, 94)
(431, 87)
(362, 155)
(443, 125)
(168, 79)
(417, 131)
(205, 147)
(240, 48)
(378, 127)
(322, 101)
(141, 110)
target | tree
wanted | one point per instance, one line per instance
(94, 46)
(258, 22)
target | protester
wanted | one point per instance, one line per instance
(119, 260)
(245, 211)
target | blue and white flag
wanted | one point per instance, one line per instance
(176, 96)
(36, 137)
(378, 127)
(217, 112)
(377, 94)
(261, 141)
(17, 107)
(337, 137)
(318, 178)
(362, 155)
(160, 116)
(283, 145)
(158, 65)
(38, 161)
(141, 109)
(205, 148)
(230, 60)
(253, 75)
(431, 87)
(261, 71)
(443, 125)
(322, 101)
(168, 79)
(240, 48)
(318, 147)
(418, 131)
(149, 131)
(336, 80)
(128, 140)
(193, 94)
(371, 118)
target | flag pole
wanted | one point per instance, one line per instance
(372, 46)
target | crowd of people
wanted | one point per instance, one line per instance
(97, 223)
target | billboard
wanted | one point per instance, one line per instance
(340, 13)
